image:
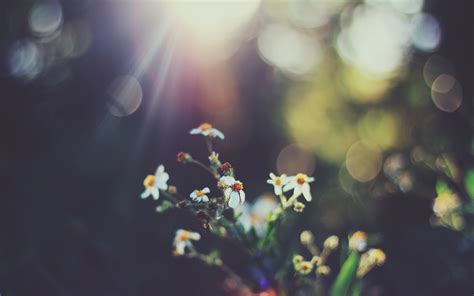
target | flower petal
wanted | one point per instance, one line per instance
(161, 185)
(164, 177)
(217, 133)
(155, 193)
(146, 193)
(242, 196)
(278, 190)
(195, 131)
(206, 190)
(234, 199)
(228, 180)
(306, 190)
(310, 179)
(160, 169)
(296, 193)
(194, 236)
(179, 247)
(193, 194)
(227, 192)
(272, 175)
(288, 187)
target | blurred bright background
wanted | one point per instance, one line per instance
(373, 98)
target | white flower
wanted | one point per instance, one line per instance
(234, 192)
(182, 241)
(277, 182)
(227, 180)
(200, 195)
(207, 130)
(255, 215)
(300, 184)
(153, 184)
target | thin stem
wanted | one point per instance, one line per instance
(209, 145)
(208, 169)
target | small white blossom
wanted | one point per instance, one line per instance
(207, 130)
(234, 192)
(214, 159)
(153, 184)
(200, 195)
(278, 182)
(300, 185)
(227, 181)
(182, 241)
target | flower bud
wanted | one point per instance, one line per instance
(297, 259)
(306, 237)
(225, 167)
(331, 243)
(323, 270)
(172, 189)
(183, 157)
(358, 241)
(298, 206)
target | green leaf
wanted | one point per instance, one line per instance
(469, 183)
(346, 276)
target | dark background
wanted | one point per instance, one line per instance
(71, 219)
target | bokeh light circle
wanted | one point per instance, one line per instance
(446, 93)
(435, 66)
(290, 50)
(45, 18)
(25, 59)
(425, 32)
(125, 96)
(363, 161)
(294, 159)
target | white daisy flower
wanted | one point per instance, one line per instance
(207, 130)
(225, 182)
(234, 193)
(153, 184)
(278, 182)
(300, 184)
(200, 195)
(182, 241)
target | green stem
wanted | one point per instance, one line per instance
(206, 168)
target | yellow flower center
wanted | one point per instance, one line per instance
(304, 266)
(184, 235)
(301, 178)
(299, 206)
(278, 181)
(149, 181)
(205, 126)
(237, 186)
(199, 193)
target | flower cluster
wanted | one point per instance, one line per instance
(318, 261)
(222, 210)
